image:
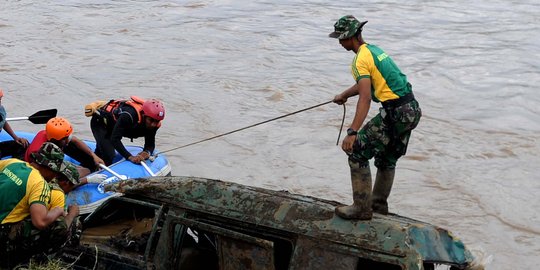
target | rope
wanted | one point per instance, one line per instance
(342, 123)
(260, 123)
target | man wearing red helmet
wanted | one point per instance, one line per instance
(126, 118)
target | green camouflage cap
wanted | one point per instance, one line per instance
(70, 172)
(54, 185)
(50, 155)
(346, 27)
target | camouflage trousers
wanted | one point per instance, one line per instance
(19, 241)
(386, 135)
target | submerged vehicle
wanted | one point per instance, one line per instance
(198, 223)
(89, 196)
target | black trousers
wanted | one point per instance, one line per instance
(13, 149)
(104, 147)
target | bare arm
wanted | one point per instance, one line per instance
(364, 102)
(73, 212)
(41, 218)
(9, 130)
(82, 146)
(363, 88)
(349, 92)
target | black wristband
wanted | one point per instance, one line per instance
(351, 132)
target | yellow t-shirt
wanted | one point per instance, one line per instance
(20, 186)
(58, 199)
(387, 80)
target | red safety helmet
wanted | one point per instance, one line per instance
(58, 128)
(153, 108)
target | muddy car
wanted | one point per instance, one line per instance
(197, 223)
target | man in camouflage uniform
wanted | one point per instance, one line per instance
(386, 135)
(66, 182)
(28, 223)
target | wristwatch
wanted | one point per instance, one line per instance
(351, 132)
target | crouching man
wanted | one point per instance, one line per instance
(28, 223)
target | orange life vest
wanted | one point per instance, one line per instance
(113, 105)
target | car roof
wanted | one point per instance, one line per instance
(302, 215)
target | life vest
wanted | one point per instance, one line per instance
(113, 106)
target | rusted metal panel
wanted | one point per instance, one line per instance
(236, 254)
(165, 251)
(391, 235)
(311, 254)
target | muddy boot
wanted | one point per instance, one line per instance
(361, 185)
(381, 190)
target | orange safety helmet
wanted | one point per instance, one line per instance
(58, 128)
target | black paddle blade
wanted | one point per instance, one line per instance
(43, 116)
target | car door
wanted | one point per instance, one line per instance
(193, 244)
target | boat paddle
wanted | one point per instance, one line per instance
(40, 117)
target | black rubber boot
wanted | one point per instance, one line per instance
(361, 186)
(383, 185)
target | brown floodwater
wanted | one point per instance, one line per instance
(472, 163)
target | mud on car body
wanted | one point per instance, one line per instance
(197, 223)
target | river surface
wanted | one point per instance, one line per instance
(472, 163)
